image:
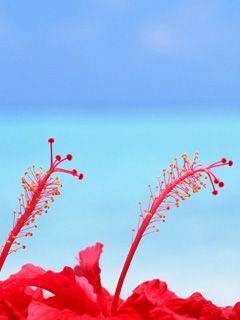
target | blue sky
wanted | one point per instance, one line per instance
(127, 53)
(125, 86)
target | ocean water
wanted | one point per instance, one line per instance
(120, 153)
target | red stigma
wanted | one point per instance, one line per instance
(224, 160)
(51, 140)
(69, 157)
(74, 172)
(221, 184)
(230, 163)
(81, 176)
(58, 157)
(214, 192)
(216, 181)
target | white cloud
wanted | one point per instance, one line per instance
(162, 39)
(193, 29)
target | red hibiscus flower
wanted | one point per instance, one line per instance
(77, 294)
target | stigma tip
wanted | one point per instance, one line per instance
(51, 140)
(69, 157)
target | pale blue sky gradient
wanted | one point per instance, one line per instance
(125, 86)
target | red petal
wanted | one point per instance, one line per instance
(235, 314)
(38, 310)
(89, 265)
(89, 268)
(196, 306)
(14, 303)
(154, 301)
(28, 271)
(68, 292)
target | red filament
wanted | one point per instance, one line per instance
(81, 176)
(176, 183)
(39, 190)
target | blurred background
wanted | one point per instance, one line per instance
(125, 86)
